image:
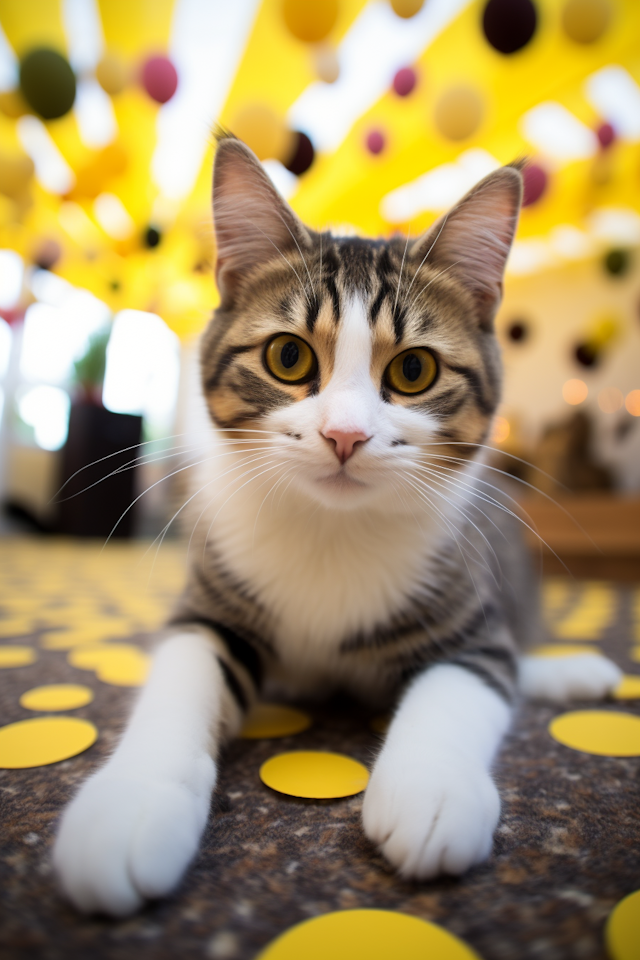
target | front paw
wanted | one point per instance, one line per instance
(125, 839)
(438, 816)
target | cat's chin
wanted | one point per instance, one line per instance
(340, 491)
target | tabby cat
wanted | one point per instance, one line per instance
(349, 539)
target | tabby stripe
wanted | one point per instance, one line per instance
(506, 657)
(383, 292)
(472, 378)
(234, 684)
(313, 309)
(490, 679)
(224, 362)
(399, 320)
(237, 647)
(335, 297)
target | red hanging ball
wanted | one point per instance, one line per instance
(535, 183)
(606, 135)
(375, 142)
(159, 78)
(405, 81)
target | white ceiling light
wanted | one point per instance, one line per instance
(8, 64)
(52, 170)
(56, 336)
(616, 96)
(284, 181)
(615, 225)
(377, 44)
(143, 368)
(94, 112)
(556, 132)
(569, 242)
(5, 347)
(112, 216)
(529, 256)
(207, 42)
(46, 409)
(438, 189)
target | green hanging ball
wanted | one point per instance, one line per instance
(617, 262)
(47, 83)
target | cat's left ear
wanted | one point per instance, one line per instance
(473, 240)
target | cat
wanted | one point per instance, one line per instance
(348, 541)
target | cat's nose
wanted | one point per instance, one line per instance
(344, 442)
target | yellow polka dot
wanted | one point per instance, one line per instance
(622, 932)
(120, 664)
(370, 934)
(605, 733)
(57, 696)
(563, 650)
(629, 688)
(17, 656)
(15, 626)
(43, 740)
(268, 720)
(314, 775)
(86, 633)
(635, 654)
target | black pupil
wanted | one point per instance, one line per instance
(290, 354)
(411, 367)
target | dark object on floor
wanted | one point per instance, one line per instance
(108, 441)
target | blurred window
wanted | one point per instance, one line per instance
(46, 409)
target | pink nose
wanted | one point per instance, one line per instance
(344, 442)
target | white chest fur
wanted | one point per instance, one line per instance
(322, 575)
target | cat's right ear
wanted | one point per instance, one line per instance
(253, 224)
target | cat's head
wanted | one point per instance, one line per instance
(362, 361)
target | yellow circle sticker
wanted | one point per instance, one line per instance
(57, 696)
(622, 932)
(600, 732)
(628, 688)
(17, 656)
(266, 720)
(120, 664)
(563, 650)
(314, 775)
(43, 740)
(367, 935)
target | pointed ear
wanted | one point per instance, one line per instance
(253, 224)
(473, 240)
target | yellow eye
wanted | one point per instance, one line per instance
(290, 359)
(411, 371)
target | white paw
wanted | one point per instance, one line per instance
(125, 839)
(436, 817)
(585, 676)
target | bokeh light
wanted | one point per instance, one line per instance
(610, 399)
(632, 403)
(574, 392)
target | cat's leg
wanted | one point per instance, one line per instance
(135, 825)
(431, 805)
(585, 676)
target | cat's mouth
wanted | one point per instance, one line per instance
(341, 481)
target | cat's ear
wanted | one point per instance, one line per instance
(253, 224)
(473, 240)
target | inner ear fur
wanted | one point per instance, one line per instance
(472, 241)
(252, 222)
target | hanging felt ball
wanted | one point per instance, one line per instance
(264, 131)
(303, 154)
(47, 254)
(458, 113)
(585, 21)
(586, 355)
(617, 262)
(606, 135)
(406, 8)
(310, 22)
(404, 81)
(47, 83)
(112, 75)
(15, 174)
(152, 237)
(375, 142)
(159, 78)
(518, 331)
(535, 183)
(509, 25)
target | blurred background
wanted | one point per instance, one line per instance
(370, 116)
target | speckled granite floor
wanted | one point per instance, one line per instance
(565, 852)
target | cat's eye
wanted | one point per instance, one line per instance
(290, 359)
(412, 371)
